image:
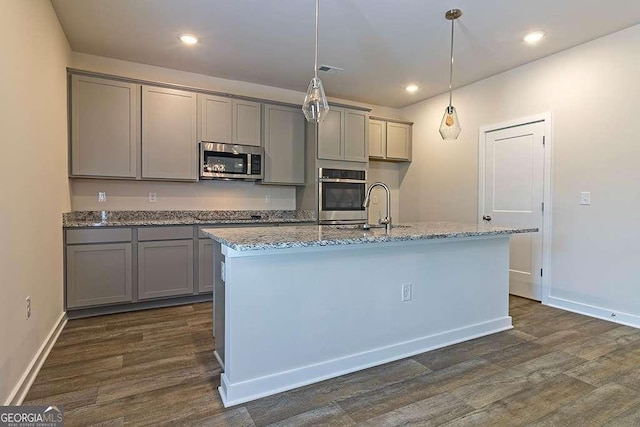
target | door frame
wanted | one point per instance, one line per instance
(547, 186)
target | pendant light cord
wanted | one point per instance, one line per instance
(451, 68)
(315, 63)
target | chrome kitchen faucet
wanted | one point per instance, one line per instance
(384, 221)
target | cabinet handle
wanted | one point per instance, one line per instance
(486, 217)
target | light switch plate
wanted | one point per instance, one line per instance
(585, 198)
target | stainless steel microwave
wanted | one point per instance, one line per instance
(229, 161)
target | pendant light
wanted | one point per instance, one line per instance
(315, 106)
(450, 126)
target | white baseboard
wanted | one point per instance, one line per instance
(234, 394)
(525, 290)
(28, 377)
(219, 359)
(597, 312)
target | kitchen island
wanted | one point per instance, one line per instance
(294, 305)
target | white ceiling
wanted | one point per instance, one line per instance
(383, 45)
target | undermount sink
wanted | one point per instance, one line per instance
(371, 226)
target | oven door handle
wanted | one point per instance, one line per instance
(346, 181)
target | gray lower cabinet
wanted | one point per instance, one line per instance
(165, 269)
(99, 274)
(205, 265)
(131, 265)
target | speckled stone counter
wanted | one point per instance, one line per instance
(186, 217)
(251, 239)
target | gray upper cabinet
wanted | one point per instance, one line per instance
(98, 274)
(343, 135)
(284, 142)
(389, 140)
(377, 139)
(169, 138)
(331, 135)
(215, 113)
(228, 120)
(398, 141)
(356, 130)
(246, 122)
(105, 133)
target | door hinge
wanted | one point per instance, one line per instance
(544, 139)
(542, 206)
(540, 272)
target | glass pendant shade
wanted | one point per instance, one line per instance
(315, 106)
(450, 126)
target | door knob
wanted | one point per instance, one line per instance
(486, 217)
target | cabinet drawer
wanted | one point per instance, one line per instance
(165, 233)
(98, 236)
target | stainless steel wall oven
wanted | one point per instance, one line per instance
(341, 193)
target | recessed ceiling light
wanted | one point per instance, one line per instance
(411, 88)
(534, 37)
(188, 39)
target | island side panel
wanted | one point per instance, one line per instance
(297, 318)
(218, 302)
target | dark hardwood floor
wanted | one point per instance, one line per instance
(157, 367)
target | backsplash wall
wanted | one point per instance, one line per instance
(214, 195)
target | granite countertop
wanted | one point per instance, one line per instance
(189, 217)
(250, 239)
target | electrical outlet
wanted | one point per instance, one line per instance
(153, 198)
(267, 198)
(28, 301)
(374, 200)
(406, 292)
(585, 198)
(102, 197)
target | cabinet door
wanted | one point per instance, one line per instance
(215, 118)
(205, 265)
(284, 140)
(165, 268)
(331, 135)
(169, 144)
(105, 137)
(356, 130)
(246, 122)
(98, 274)
(398, 141)
(377, 139)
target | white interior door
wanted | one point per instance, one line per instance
(514, 195)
